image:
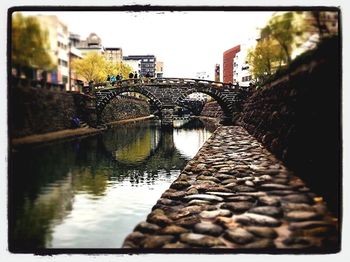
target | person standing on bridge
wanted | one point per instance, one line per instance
(113, 79)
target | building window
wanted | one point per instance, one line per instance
(246, 78)
(62, 62)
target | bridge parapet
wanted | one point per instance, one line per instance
(163, 82)
(167, 93)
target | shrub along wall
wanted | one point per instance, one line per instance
(297, 117)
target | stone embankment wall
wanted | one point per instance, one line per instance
(37, 111)
(297, 117)
(212, 109)
(125, 108)
(235, 194)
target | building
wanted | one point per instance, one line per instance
(217, 73)
(114, 54)
(134, 64)
(58, 37)
(148, 64)
(75, 82)
(228, 64)
(159, 69)
(92, 43)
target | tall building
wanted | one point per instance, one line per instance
(58, 36)
(114, 54)
(148, 64)
(228, 65)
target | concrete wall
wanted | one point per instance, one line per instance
(297, 117)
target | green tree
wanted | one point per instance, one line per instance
(30, 45)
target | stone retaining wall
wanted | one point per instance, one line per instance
(125, 108)
(212, 109)
(297, 117)
(234, 194)
(37, 111)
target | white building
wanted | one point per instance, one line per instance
(241, 73)
(135, 64)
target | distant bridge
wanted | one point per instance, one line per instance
(167, 93)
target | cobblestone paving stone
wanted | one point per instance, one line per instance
(235, 194)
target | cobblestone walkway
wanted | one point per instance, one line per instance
(235, 194)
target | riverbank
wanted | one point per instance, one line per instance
(69, 133)
(235, 195)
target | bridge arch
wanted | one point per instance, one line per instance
(212, 92)
(106, 97)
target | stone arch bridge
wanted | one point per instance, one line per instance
(167, 93)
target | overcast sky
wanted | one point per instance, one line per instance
(187, 42)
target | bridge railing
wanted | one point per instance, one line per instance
(163, 81)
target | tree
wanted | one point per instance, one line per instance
(274, 49)
(92, 67)
(118, 69)
(30, 45)
(264, 59)
(285, 31)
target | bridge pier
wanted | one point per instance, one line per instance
(226, 120)
(167, 118)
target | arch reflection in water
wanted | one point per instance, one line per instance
(190, 137)
(141, 148)
(82, 194)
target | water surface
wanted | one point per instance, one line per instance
(90, 193)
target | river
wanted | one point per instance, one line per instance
(92, 192)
